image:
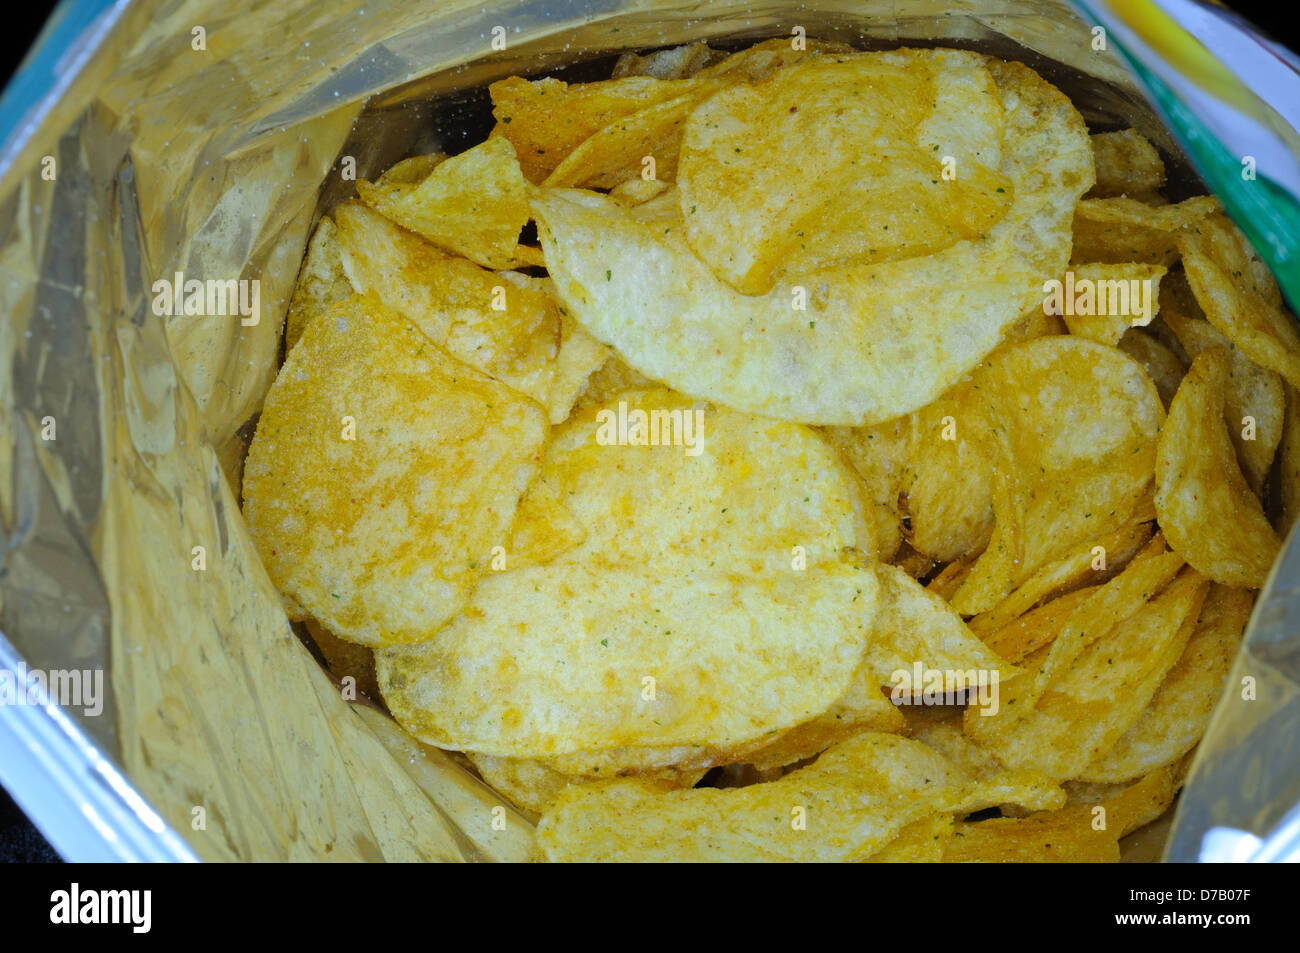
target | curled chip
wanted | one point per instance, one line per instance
(1127, 165)
(474, 204)
(1181, 709)
(1086, 709)
(547, 119)
(548, 661)
(618, 152)
(382, 474)
(1239, 296)
(1162, 365)
(949, 477)
(850, 344)
(501, 326)
(855, 800)
(1254, 401)
(861, 157)
(919, 651)
(1205, 507)
(1120, 230)
(1075, 427)
(1109, 299)
(916, 630)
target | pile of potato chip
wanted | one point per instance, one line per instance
(773, 506)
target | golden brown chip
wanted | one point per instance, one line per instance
(850, 803)
(1254, 402)
(864, 157)
(382, 473)
(1162, 365)
(1179, 712)
(1205, 506)
(548, 119)
(1238, 294)
(474, 204)
(1122, 230)
(645, 144)
(1101, 301)
(1127, 164)
(1075, 426)
(1088, 706)
(492, 322)
(1094, 561)
(1063, 836)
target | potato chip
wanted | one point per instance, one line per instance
(580, 355)
(1063, 836)
(547, 119)
(855, 355)
(322, 282)
(913, 563)
(547, 661)
(532, 784)
(382, 474)
(1127, 164)
(916, 628)
(345, 659)
(608, 381)
(1254, 402)
(944, 734)
(851, 802)
(1110, 299)
(410, 171)
(861, 157)
(1161, 364)
(1037, 628)
(915, 637)
(1120, 230)
(949, 477)
(878, 457)
(505, 329)
(1179, 712)
(1148, 573)
(950, 578)
(921, 842)
(474, 204)
(618, 152)
(1205, 506)
(638, 191)
(1075, 426)
(661, 481)
(1131, 806)
(1094, 561)
(1239, 296)
(1088, 706)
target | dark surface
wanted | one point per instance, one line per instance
(19, 841)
